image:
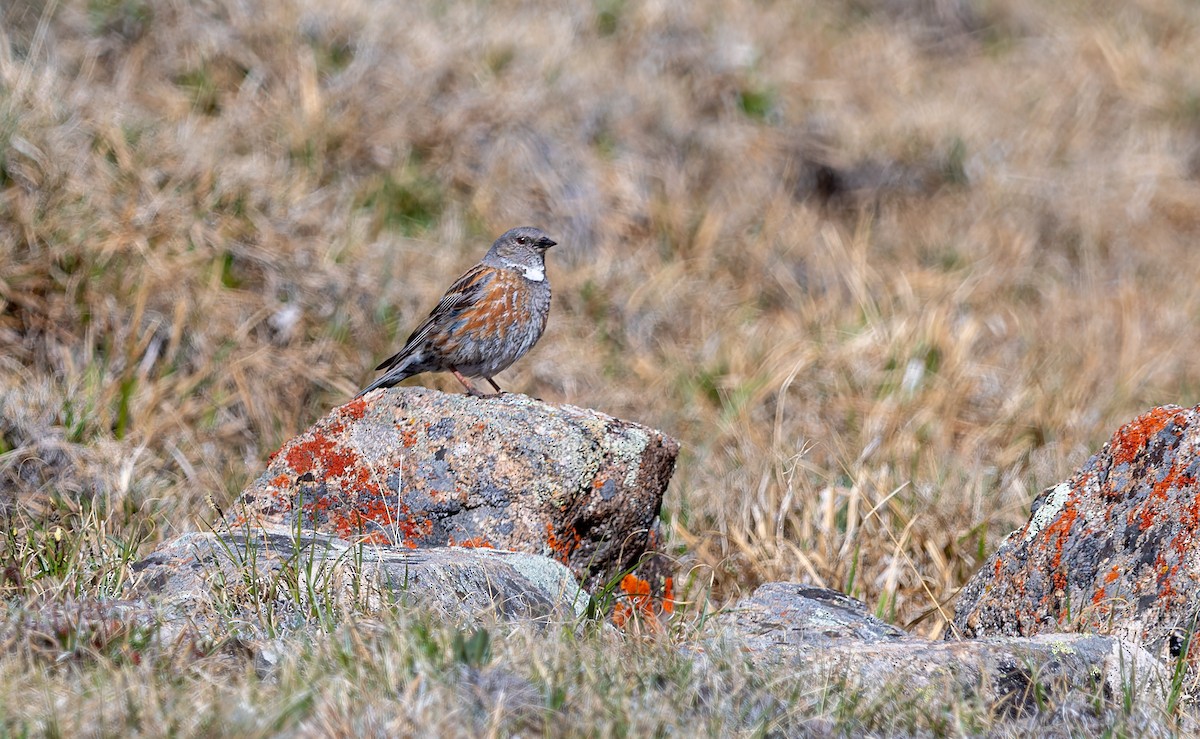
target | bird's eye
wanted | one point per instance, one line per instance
(522, 240)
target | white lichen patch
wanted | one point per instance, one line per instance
(629, 447)
(1048, 510)
(1062, 648)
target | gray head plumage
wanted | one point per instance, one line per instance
(519, 244)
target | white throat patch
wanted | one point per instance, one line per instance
(535, 274)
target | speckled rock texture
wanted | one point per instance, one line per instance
(419, 468)
(200, 581)
(790, 626)
(1114, 550)
(780, 613)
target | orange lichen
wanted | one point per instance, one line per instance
(562, 547)
(1060, 528)
(1165, 572)
(355, 409)
(639, 605)
(477, 542)
(1158, 495)
(633, 585)
(1190, 517)
(337, 462)
(375, 508)
(412, 529)
(311, 454)
(653, 539)
(1133, 437)
(1055, 535)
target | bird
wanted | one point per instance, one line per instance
(488, 319)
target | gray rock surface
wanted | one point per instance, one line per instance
(789, 626)
(779, 614)
(271, 582)
(1114, 550)
(420, 468)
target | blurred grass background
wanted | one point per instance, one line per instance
(887, 268)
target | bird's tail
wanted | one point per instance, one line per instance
(388, 379)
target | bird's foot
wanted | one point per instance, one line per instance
(476, 393)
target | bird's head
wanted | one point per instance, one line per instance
(520, 244)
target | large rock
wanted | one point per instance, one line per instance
(268, 583)
(825, 633)
(205, 594)
(1114, 550)
(419, 468)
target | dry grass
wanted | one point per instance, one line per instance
(886, 267)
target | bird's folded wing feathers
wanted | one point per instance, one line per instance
(462, 293)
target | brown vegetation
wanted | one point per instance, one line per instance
(886, 268)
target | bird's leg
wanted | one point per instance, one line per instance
(471, 389)
(493, 384)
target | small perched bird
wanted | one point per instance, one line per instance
(488, 319)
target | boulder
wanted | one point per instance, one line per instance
(1113, 550)
(419, 468)
(204, 594)
(831, 635)
(271, 583)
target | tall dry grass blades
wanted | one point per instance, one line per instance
(887, 269)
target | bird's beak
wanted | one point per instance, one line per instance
(545, 242)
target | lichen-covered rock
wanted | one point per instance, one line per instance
(1114, 550)
(781, 613)
(204, 582)
(785, 625)
(419, 468)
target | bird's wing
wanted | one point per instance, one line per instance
(464, 292)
